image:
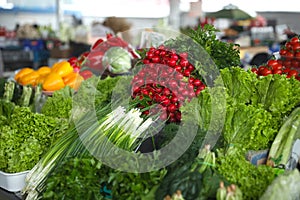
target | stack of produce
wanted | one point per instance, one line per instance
(288, 64)
(231, 112)
(290, 53)
(24, 134)
(112, 55)
(166, 79)
(53, 78)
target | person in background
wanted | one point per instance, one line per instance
(99, 31)
(79, 41)
(120, 27)
(290, 34)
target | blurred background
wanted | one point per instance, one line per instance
(38, 33)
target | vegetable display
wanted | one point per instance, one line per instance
(112, 55)
(190, 88)
(24, 134)
(59, 104)
(122, 127)
(53, 78)
(166, 79)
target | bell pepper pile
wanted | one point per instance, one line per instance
(53, 78)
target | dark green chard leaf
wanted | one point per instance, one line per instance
(134, 186)
(77, 179)
(189, 182)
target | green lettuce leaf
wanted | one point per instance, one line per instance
(285, 186)
(246, 123)
(239, 84)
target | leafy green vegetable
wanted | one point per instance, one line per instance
(246, 123)
(195, 41)
(252, 180)
(26, 96)
(27, 136)
(278, 94)
(239, 84)
(189, 182)
(250, 121)
(281, 147)
(77, 179)
(113, 89)
(117, 59)
(208, 111)
(285, 186)
(224, 54)
(275, 93)
(8, 91)
(59, 104)
(133, 186)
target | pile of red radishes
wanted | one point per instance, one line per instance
(288, 64)
(165, 81)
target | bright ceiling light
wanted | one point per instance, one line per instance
(5, 5)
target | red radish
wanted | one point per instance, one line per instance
(86, 74)
(76, 69)
(184, 63)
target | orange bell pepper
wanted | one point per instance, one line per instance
(29, 79)
(44, 70)
(53, 82)
(62, 68)
(23, 72)
(73, 80)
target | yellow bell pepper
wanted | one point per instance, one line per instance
(53, 82)
(44, 70)
(62, 68)
(23, 72)
(40, 79)
(29, 79)
(73, 80)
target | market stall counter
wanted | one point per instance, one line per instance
(5, 195)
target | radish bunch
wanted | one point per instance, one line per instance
(165, 81)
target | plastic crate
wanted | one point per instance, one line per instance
(38, 44)
(16, 55)
(13, 182)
